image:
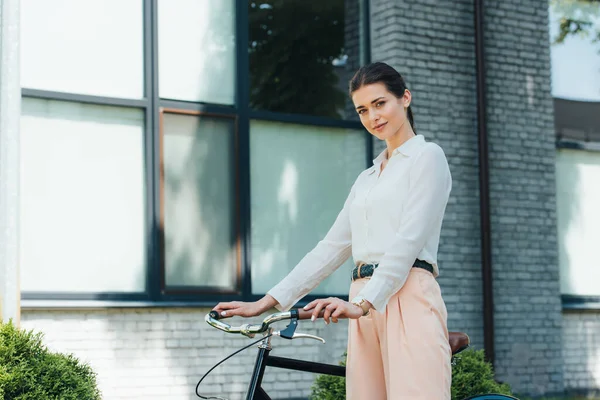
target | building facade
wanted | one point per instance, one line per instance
(175, 154)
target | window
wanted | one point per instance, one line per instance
(304, 70)
(82, 197)
(191, 153)
(85, 47)
(293, 202)
(575, 55)
(578, 215)
(199, 208)
(196, 47)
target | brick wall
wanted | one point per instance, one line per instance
(162, 353)
(581, 352)
(522, 183)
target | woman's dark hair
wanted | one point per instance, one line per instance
(380, 72)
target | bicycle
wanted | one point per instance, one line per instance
(459, 341)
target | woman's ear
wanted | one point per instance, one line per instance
(407, 98)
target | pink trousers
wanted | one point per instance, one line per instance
(402, 352)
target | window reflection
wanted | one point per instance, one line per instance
(575, 52)
(196, 50)
(302, 54)
(286, 170)
(82, 197)
(198, 192)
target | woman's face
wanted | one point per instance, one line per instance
(381, 112)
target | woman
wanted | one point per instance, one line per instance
(398, 339)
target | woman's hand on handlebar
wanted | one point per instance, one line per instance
(245, 309)
(334, 308)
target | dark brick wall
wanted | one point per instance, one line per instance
(523, 189)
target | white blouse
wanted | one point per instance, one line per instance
(391, 217)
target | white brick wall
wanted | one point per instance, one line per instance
(581, 351)
(162, 353)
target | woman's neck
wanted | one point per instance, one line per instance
(403, 134)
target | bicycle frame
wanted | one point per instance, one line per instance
(264, 359)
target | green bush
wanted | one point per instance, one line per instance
(471, 375)
(327, 387)
(29, 371)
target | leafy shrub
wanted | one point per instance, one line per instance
(471, 375)
(29, 371)
(328, 387)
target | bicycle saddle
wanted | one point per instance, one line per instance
(458, 341)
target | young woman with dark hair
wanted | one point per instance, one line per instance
(390, 223)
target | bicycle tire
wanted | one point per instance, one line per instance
(491, 396)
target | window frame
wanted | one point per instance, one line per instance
(155, 293)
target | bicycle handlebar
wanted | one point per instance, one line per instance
(212, 318)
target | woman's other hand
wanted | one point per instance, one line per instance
(245, 309)
(334, 308)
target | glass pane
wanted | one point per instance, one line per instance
(199, 197)
(575, 54)
(578, 218)
(574, 29)
(304, 70)
(301, 176)
(85, 47)
(82, 198)
(196, 48)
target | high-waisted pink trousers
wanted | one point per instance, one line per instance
(403, 352)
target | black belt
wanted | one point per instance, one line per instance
(366, 270)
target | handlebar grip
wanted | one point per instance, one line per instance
(214, 315)
(302, 314)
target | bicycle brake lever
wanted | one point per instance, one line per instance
(300, 336)
(307, 336)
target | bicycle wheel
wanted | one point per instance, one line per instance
(491, 397)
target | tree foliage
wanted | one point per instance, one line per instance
(292, 46)
(576, 18)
